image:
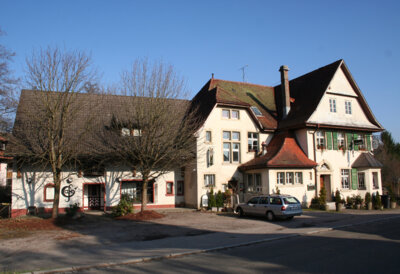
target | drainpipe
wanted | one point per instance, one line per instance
(315, 160)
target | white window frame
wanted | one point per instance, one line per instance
(345, 178)
(233, 116)
(375, 180)
(209, 180)
(280, 178)
(361, 180)
(347, 106)
(340, 140)
(210, 156)
(332, 105)
(208, 136)
(298, 177)
(251, 138)
(227, 152)
(289, 178)
(226, 111)
(320, 138)
(231, 146)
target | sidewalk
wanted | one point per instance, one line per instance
(90, 251)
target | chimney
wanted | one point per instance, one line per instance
(285, 93)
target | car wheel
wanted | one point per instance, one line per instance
(240, 211)
(270, 216)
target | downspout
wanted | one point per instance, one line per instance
(315, 160)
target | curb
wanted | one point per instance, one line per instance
(199, 251)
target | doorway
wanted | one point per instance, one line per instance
(94, 196)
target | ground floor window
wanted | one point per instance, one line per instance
(289, 178)
(209, 179)
(170, 188)
(345, 178)
(253, 181)
(134, 190)
(361, 180)
(280, 178)
(375, 182)
(298, 177)
(49, 193)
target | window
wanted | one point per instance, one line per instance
(209, 180)
(340, 139)
(298, 177)
(235, 114)
(347, 105)
(289, 178)
(231, 150)
(345, 176)
(226, 113)
(208, 136)
(210, 157)
(48, 193)
(179, 188)
(136, 132)
(375, 183)
(320, 140)
(252, 139)
(332, 105)
(227, 152)
(360, 142)
(134, 190)
(256, 111)
(170, 188)
(361, 180)
(253, 200)
(3, 146)
(280, 179)
(275, 201)
(253, 181)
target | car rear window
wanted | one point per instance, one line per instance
(290, 200)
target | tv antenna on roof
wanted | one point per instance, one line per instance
(243, 72)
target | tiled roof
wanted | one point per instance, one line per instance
(282, 152)
(366, 160)
(242, 95)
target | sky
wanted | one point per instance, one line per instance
(203, 37)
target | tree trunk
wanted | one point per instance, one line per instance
(144, 193)
(56, 201)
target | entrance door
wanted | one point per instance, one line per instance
(94, 196)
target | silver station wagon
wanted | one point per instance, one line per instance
(272, 206)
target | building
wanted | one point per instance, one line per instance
(310, 132)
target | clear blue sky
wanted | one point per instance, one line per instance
(201, 37)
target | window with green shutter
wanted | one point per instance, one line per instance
(355, 137)
(354, 178)
(328, 140)
(335, 140)
(349, 139)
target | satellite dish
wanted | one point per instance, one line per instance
(375, 144)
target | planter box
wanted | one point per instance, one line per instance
(369, 206)
(339, 207)
(393, 204)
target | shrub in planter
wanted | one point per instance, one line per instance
(322, 198)
(368, 201)
(219, 199)
(338, 201)
(393, 200)
(124, 206)
(376, 200)
(359, 201)
(211, 199)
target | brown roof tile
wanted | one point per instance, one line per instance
(282, 152)
(366, 160)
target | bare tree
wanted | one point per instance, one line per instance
(8, 100)
(44, 132)
(152, 132)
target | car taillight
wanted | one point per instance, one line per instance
(283, 208)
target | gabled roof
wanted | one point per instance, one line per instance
(308, 90)
(366, 160)
(237, 94)
(282, 152)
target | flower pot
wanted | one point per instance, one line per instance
(358, 206)
(339, 207)
(393, 204)
(369, 205)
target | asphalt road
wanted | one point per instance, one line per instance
(367, 248)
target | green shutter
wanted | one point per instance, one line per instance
(368, 137)
(335, 142)
(355, 138)
(349, 138)
(354, 179)
(329, 140)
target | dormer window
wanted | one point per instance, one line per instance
(256, 111)
(320, 140)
